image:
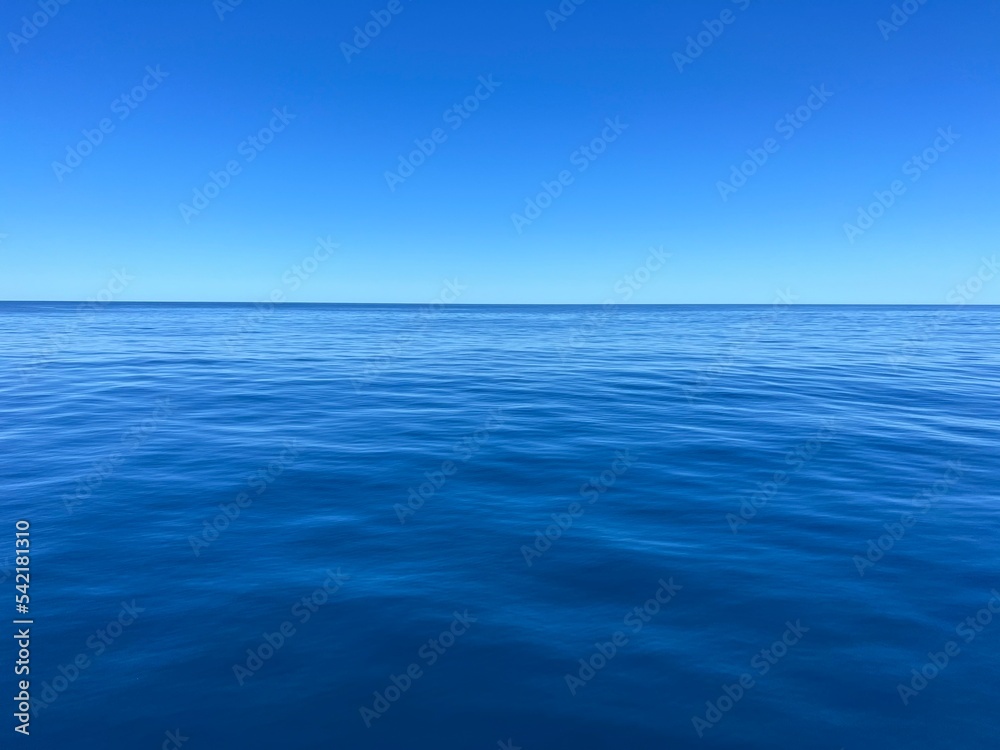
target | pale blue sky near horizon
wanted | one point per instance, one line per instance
(211, 75)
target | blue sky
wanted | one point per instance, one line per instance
(182, 88)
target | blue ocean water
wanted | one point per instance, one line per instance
(504, 527)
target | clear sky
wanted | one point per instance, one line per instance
(184, 89)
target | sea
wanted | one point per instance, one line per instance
(500, 527)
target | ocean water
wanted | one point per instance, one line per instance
(504, 527)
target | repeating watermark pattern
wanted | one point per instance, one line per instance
(174, 740)
(428, 655)
(249, 149)
(968, 630)
(901, 14)
(635, 620)
(257, 484)
(923, 502)
(375, 366)
(464, 450)
(363, 36)
(291, 281)
(123, 106)
(31, 25)
(786, 127)
(222, 7)
(561, 14)
(795, 458)
(85, 315)
(713, 29)
(302, 612)
(581, 159)
(750, 331)
(963, 293)
(97, 644)
(761, 664)
(509, 744)
(624, 289)
(455, 117)
(131, 440)
(914, 168)
(592, 490)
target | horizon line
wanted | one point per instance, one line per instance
(444, 305)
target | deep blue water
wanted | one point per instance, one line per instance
(644, 430)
